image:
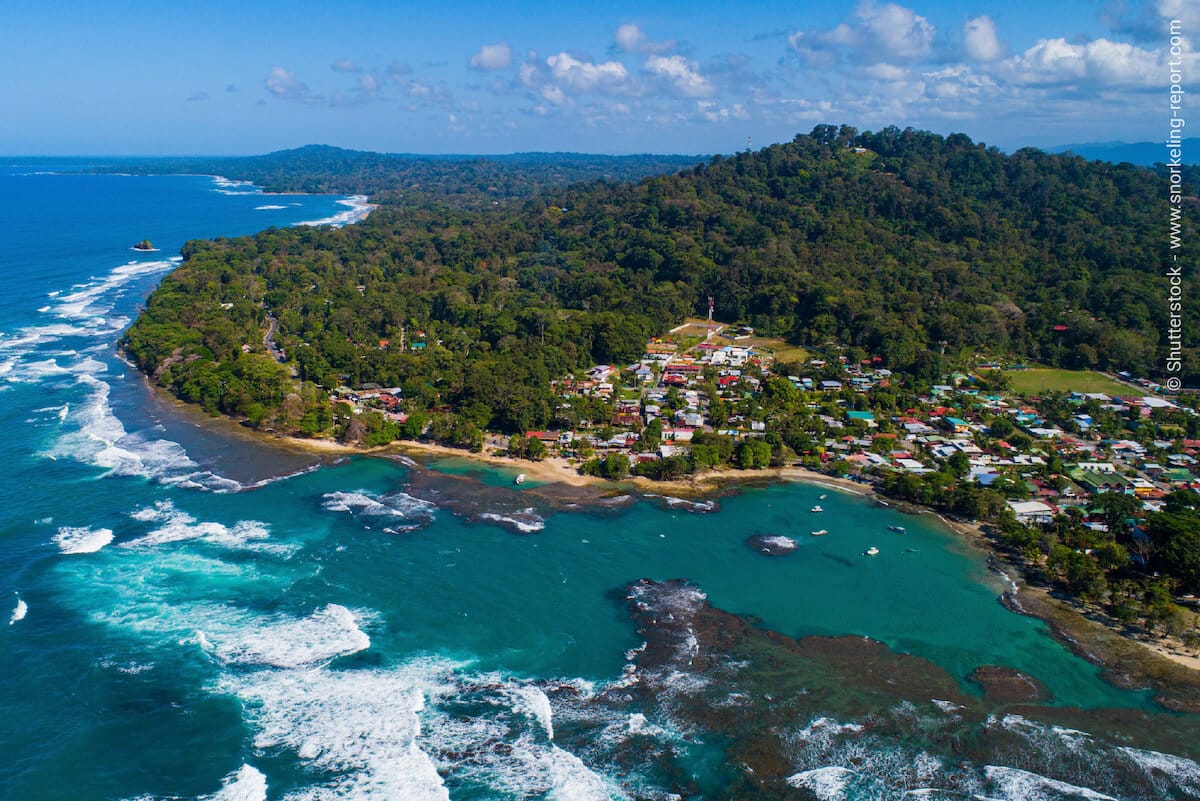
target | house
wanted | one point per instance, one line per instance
(959, 425)
(1030, 512)
(831, 386)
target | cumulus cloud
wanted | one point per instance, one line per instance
(712, 112)
(196, 96)
(1144, 22)
(898, 31)
(980, 40)
(879, 32)
(492, 57)
(284, 85)
(345, 65)
(586, 75)
(632, 39)
(682, 74)
(1057, 61)
(958, 84)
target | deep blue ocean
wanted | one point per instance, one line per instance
(186, 612)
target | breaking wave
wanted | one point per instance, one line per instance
(73, 540)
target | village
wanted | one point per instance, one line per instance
(706, 385)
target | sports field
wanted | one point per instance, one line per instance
(1045, 379)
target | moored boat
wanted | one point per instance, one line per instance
(871, 551)
(520, 479)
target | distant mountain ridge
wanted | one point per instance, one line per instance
(1146, 154)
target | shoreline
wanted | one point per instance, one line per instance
(1126, 661)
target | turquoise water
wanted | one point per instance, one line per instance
(201, 615)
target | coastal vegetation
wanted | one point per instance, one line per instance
(915, 247)
(412, 179)
(893, 273)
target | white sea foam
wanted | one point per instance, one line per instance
(284, 642)
(533, 701)
(526, 521)
(384, 508)
(825, 728)
(688, 505)
(358, 209)
(244, 784)
(360, 727)
(84, 301)
(827, 784)
(75, 540)
(102, 441)
(1015, 784)
(226, 186)
(176, 525)
(269, 208)
(19, 611)
(779, 541)
(1162, 769)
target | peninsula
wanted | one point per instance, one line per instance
(966, 330)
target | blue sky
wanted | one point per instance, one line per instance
(252, 76)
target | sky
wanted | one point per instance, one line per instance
(125, 77)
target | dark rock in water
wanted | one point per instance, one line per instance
(790, 710)
(144, 245)
(771, 544)
(1007, 686)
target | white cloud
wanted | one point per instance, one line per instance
(980, 40)
(881, 32)
(711, 112)
(554, 95)
(284, 85)
(368, 83)
(492, 57)
(528, 74)
(957, 83)
(586, 75)
(629, 37)
(1178, 9)
(632, 39)
(682, 73)
(886, 72)
(1055, 61)
(344, 65)
(898, 31)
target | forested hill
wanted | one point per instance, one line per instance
(904, 243)
(397, 178)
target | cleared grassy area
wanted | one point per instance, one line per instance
(1046, 379)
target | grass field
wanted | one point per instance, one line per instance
(1044, 379)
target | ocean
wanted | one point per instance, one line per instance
(190, 613)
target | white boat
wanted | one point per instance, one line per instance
(816, 509)
(898, 529)
(822, 497)
(520, 479)
(821, 532)
(871, 551)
